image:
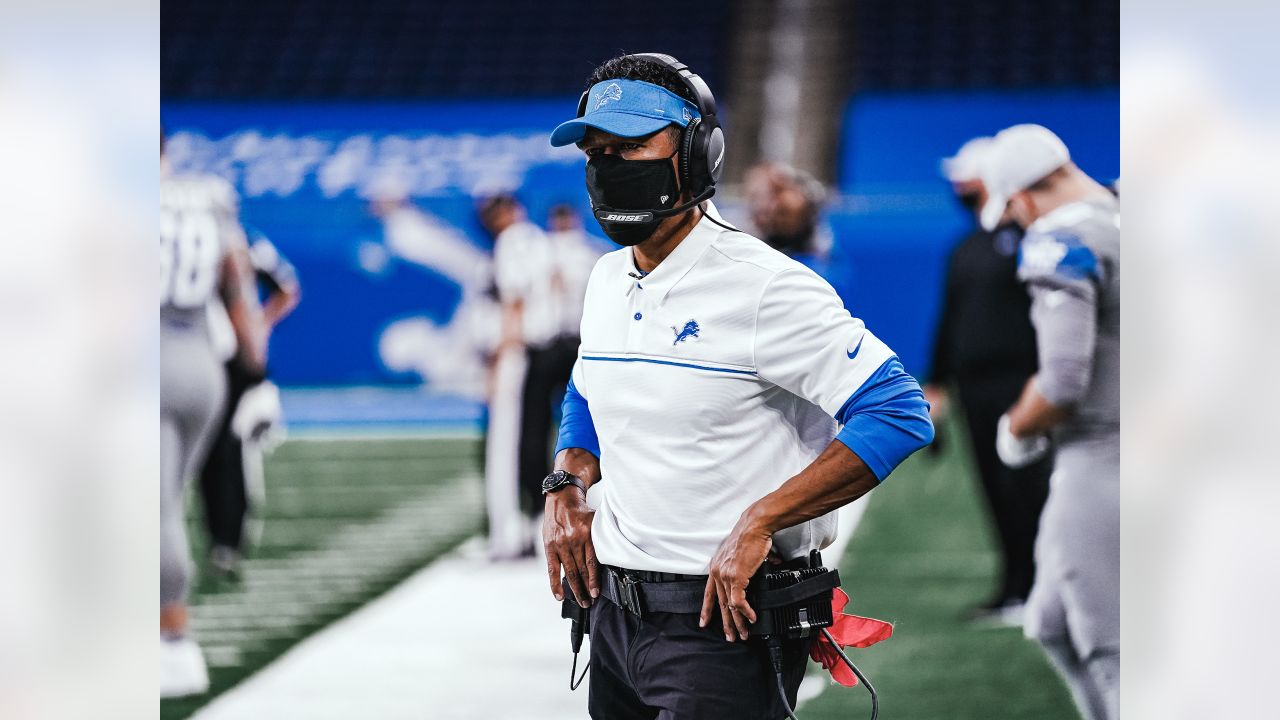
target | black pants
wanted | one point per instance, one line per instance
(222, 482)
(665, 667)
(1015, 497)
(545, 379)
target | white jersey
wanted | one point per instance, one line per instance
(711, 381)
(197, 225)
(548, 273)
(575, 255)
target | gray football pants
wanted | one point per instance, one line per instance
(1094, 682)
(1074, 608)
(192, 391)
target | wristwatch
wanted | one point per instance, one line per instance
(559, 480)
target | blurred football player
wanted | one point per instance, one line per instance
(203, 255)
(225, 486)
(985, 349)
(1070, 261)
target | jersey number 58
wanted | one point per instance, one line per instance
(189, 254)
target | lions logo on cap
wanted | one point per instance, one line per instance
(612, 91)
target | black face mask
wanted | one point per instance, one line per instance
(970, 201)
(632, 191)
(797, 244)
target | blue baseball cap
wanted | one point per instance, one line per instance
(626, 108)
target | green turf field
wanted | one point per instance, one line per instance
(921, 558)
(344, 521)
(347, 519)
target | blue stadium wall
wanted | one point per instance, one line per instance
(306, 173)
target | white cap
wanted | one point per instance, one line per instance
(966, 164)
(1017, 158)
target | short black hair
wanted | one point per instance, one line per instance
(626, 67)
(491, 204)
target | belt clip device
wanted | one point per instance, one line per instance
(794, 605)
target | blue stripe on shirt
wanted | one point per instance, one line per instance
(577, 430)
(886, 419)
(668, 362)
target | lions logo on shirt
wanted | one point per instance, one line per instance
(690, 330)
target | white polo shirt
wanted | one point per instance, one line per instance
(711, 381)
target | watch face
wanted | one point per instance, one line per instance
(555, 480)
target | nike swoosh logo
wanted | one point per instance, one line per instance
(854, 353)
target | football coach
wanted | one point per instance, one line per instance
(722, 406)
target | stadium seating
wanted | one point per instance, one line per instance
(940, 44)
(484, 48)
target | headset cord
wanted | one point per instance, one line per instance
(575, 684)
(707, 215)
(775, 657)
(875, 699)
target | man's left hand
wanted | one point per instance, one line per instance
(737, 559)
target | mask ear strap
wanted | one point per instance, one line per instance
(1027, 196)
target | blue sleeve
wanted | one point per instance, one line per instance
(886, 419)
(576, 427)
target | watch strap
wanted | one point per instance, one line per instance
(561, 479)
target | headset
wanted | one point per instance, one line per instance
(702, 144)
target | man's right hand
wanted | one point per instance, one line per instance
(566, 536)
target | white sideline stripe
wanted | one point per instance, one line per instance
(389, 431)
(461, 639)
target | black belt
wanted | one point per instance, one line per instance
(640, 592)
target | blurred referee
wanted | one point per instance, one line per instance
(540, 280)
(713, 375)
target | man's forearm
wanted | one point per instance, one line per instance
(279, 305)
(566, 530)
(835, 478)
(1033, 414)
(513, 322)
(581, 463)
(239, 297)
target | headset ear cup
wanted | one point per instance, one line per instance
(713, 154)
(703, 157)
(687, 152)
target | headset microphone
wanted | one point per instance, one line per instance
(605, 213)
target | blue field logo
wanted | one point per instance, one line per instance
(690, 330)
